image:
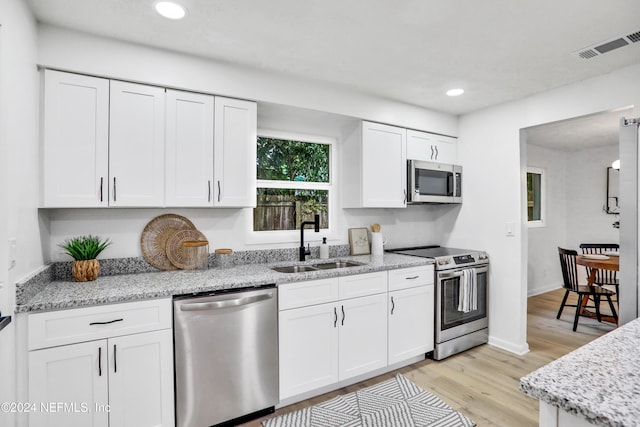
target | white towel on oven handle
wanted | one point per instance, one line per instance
(468, 296)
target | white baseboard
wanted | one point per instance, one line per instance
(538, 291)
(519, 349)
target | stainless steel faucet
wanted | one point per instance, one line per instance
(316, 224)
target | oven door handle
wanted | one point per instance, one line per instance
(459, 273)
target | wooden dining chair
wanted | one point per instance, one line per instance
(603, 277)
(570, 278)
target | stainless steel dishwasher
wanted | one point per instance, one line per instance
(226, 356)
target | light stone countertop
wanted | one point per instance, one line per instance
(599, 381)
(130, 287)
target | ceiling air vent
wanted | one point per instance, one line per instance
(634, 37)
(608, 46)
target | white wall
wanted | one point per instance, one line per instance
(73, 51)
(18, 172)
(494, 187)
(543, 268)
(576, 192)
(586, 194)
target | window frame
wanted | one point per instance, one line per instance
(543, 196)
(289, 236)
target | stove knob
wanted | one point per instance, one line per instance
(444, 261)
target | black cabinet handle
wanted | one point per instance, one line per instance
(101, 184)
(114, 188)
(436, 152)
(115, 359)
(99, 361)
(218, 190)
(4, 321)
(335, 317)
(105, 323)
(343, 315)
(432, 152)
(411, 278)
(393, 305)
(209, 196)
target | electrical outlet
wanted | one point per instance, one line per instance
(13, 250)
(511, 229)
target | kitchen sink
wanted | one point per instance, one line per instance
(294, 268)
(315, 267)
(336, 264)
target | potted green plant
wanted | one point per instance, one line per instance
(84, 250)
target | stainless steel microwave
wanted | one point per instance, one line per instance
(430, 182)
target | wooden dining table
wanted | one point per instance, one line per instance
(612, 262)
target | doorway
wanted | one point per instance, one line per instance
(572, 159)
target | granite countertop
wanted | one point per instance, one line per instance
(599, 381)
(130, 287)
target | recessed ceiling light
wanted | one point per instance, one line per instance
(170, 9)
(455, 92)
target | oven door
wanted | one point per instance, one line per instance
(451, 322)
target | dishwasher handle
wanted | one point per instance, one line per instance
(200, 306)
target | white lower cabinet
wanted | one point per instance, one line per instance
(410, 323)
(363, 335)
(69, 375)
(117, 381)
(308, 340)
(141, 379)
(325, 343)
(331, 330)
(411, 312)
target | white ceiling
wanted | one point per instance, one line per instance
(406, 50)
(579, 133)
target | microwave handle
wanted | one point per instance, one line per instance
(451, 184)
(456, 178)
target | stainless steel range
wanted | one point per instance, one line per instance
(462, 284)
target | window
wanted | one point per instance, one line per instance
(535, 197)
(294, 181)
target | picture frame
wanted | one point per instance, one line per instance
(359, 241)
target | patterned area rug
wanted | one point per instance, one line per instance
(393, 403)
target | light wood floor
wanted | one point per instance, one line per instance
(482, 383)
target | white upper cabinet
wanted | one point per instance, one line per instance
(431, 147)
(76, 140)
(189, 149)
(235, 153)
(136, 145)
(374, 167)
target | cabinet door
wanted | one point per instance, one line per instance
(76, 140)
(308, 346)
(384, 166)
(363, 335)
(235, 153)
(136, 145)
(411, 320)
(74, 376)
(446, 149)
(431, 147)
(189, 149)
(141, 380)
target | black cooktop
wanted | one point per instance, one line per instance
(432, 251)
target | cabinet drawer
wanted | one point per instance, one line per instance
(410, 277)
(84, 324)
(301, 294)
(362, 284)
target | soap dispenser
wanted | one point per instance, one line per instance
(324, 249)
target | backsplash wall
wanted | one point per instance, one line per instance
(229, 227)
